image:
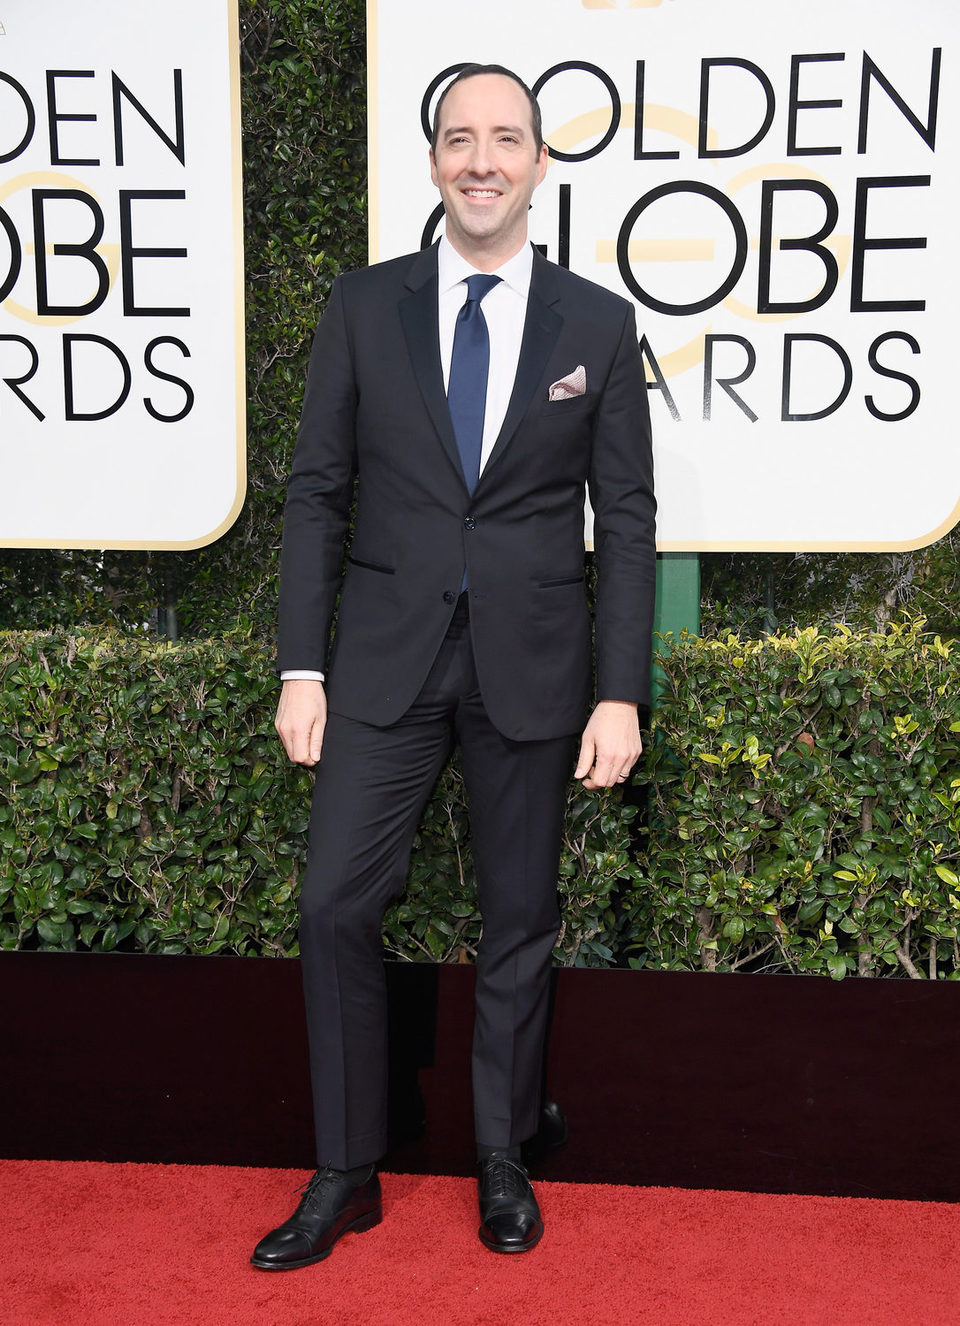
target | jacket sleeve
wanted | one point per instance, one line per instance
(319, 495)
(622, 497)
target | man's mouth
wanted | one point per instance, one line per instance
(481, 193)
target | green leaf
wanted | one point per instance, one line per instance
(837, 966)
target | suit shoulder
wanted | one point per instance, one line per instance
(380, 275)
(572, 286)
(551, 279)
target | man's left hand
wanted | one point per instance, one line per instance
(610, 745)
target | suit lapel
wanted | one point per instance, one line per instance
(418, 317)
(540, 331)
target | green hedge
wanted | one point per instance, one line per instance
(802, 811)
(805, 807)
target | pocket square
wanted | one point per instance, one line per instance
(574, 384)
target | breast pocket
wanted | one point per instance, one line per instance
(568, 408)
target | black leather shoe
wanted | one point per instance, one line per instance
(508, 1209)
(552, 1133)
(332, 1204)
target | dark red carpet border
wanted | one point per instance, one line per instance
(93, 1244)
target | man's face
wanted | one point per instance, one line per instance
(486, 167)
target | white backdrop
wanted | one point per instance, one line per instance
(121, 357)
(843, 99)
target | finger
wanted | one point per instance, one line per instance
(586, 756)
(296, 742)
(620, 770)
(287, 741)
(605, 771)
(603, 775)
(308, 744)
(297, 747)
(316, 741)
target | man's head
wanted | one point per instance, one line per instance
(487, 158)
(474, 71)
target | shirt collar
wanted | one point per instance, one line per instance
(452, 268)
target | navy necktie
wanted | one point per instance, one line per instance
(467, 383)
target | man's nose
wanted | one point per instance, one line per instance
(480, 159)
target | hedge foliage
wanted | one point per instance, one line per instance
(805, 806)
(802, 811)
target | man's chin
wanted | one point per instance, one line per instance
(478, 229)
(479, 220)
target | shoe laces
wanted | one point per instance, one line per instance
(313, 1188)
(505, 1178)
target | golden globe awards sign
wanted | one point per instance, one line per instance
(776, 187)
(121, 318)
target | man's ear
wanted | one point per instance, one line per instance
(542, 164)
(433, 169)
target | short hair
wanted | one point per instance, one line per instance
(474, 71)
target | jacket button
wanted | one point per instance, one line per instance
(448, 596)
(469, 523)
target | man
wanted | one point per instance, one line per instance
(473, 391)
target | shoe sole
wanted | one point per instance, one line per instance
(358, 1226)
(511, 1247)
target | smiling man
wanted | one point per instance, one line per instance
(470, 395)
(486, 172)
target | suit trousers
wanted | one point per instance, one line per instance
(371, 787)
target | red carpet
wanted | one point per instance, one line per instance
(104, 1244)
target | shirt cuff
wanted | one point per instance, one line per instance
(300, 674)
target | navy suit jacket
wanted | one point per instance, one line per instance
(375, 412)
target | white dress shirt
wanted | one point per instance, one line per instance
(504, 309)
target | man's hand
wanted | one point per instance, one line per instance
(610, 745)
(301, 718)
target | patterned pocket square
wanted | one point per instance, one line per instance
(574, 384)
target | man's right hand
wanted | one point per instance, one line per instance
(301, 718)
